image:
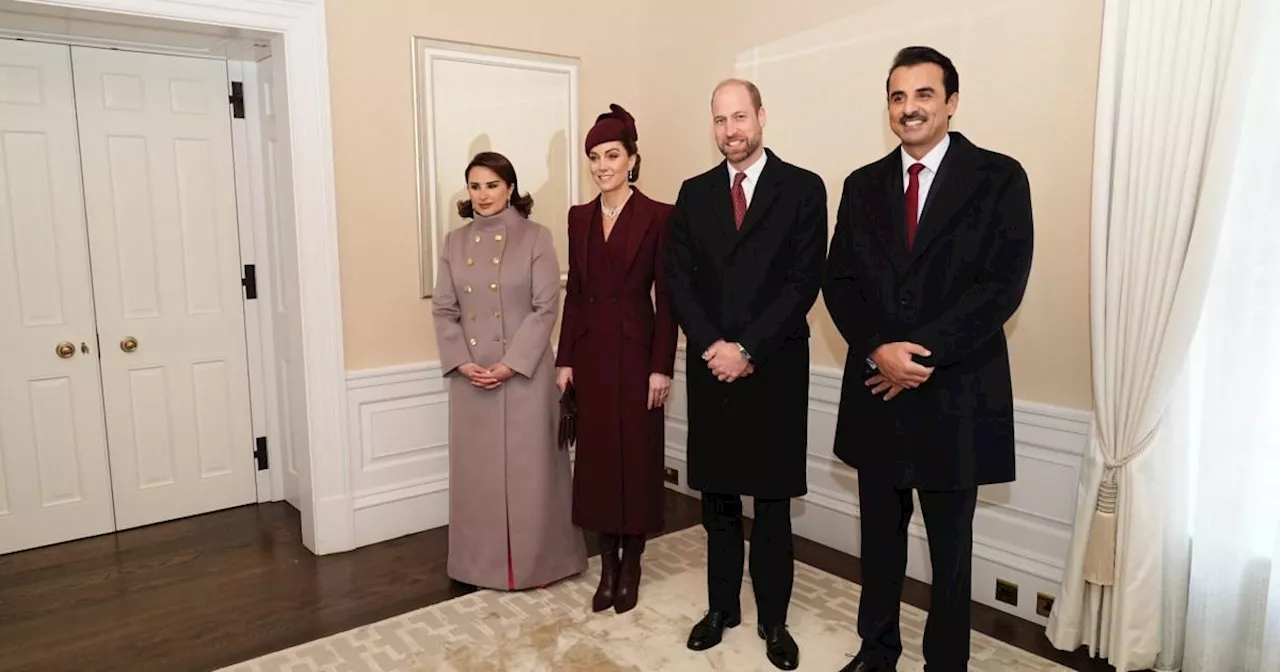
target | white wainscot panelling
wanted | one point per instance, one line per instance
(399, 423)
(399, 419)
(1022, 530)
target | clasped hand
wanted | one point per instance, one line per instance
(488, 379)
(897, 370)
(726, 362)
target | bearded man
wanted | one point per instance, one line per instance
(747, 243)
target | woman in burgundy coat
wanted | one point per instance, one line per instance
(617, 349)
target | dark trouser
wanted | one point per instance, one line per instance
(772, 555)
(948, 519)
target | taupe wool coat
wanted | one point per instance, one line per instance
(496, 300)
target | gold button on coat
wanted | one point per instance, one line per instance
(494, 286)
(497, 238)
(472, 341)
(470, 261)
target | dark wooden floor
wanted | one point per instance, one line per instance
(211, 591)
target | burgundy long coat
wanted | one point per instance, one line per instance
(617, 329)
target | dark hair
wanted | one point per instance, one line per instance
(630, 145)
(752, 90)
(919, 55)
(507, 172)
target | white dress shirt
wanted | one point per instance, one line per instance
(753, 176)
(931, 162)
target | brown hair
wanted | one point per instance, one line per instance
(630, 146)
(507, 173)
(752, 90)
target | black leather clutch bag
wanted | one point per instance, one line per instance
(568, 418)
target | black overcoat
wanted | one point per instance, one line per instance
(753, 287)
(952, 293)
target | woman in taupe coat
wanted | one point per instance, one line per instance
(495, 304)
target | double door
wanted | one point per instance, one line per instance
(124, 392)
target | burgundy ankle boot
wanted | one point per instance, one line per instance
(605, 593)
(629, 576)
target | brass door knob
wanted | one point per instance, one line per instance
(65, 349)
(129, 344)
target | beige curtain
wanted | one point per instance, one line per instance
(1164, 144)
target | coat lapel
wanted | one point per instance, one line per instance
(891, 227)
(638, 222)
(766, 192)
(957, 178)
(582, 232)
(722, 200)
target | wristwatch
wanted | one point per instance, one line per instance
(745, 355)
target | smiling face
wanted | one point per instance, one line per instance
(739, 126)
(610, 164)
(489, 193)
(919, 110)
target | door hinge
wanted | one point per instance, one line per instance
(260, 453)
(237, 100)
(250, 282)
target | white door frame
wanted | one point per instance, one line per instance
(299, 45)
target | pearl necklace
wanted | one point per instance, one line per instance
(612, 213)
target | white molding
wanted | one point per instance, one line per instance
(1022, 531)
(427, 51)
(298, 37)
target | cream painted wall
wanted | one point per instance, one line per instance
(1027, 81)
(371, 61)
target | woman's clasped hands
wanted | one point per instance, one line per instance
(486, 378)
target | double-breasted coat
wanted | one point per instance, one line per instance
(496, 300)
(616, 331)
(952, 293)
(754, 287)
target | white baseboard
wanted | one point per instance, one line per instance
(1022, 531)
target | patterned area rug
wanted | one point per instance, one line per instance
(553, 629)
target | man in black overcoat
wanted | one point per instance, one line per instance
(745, 257)
(929, 259)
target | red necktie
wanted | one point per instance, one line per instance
(739, 200)
(913, 202)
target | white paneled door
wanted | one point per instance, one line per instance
(54, 480)
(160, 203)
(282, 245)
(124, 383)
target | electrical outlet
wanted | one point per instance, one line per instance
(1044, 604)
(1007, 592)
(672, 475)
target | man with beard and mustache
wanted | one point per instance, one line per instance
(930, 258)
(744, 262)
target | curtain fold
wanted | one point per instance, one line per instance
(1165, 139)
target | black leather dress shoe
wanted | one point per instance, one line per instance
(780, 647)
(860, 665)
(708, 632)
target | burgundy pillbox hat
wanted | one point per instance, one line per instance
(617, 124)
